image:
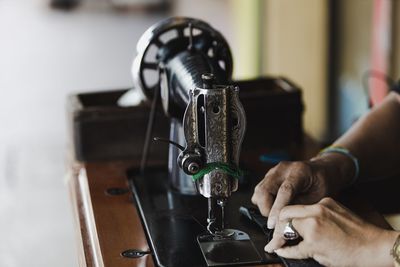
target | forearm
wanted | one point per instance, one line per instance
(381, 249)
(375, 140)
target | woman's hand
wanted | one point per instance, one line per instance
(333, 236)
(301, 182)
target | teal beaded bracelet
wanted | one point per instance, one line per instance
(346, 152)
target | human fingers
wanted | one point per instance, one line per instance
(277, 240)
(338, 210)
(325, 207)
(299, 251)
(287, 191)
(301, 211)
(264, 203)
(265, 191)
(330, 203)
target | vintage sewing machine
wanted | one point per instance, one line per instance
(207, 128)
(191, 213)
(170, 184)
(210, 127)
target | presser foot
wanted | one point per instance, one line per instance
(233, 247)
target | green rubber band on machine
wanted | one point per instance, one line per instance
(226, 168)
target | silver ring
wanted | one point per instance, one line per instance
(289, 233)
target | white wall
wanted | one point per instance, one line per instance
(44, 56)
(353, 60)
(296, 47)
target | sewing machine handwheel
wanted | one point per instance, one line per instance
(147, 62)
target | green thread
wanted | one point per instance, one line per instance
(226, 168)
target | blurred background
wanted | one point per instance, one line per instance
(339, 52)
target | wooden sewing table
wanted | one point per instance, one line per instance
(107, 222)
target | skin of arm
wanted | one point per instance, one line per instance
(374, 139)
(333, 236)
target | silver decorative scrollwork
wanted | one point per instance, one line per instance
(224, 127)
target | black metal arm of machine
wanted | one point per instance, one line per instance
(191, 64)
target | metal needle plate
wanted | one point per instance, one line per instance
(235, 249)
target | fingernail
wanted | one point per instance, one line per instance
(267, 249)
(271, 223)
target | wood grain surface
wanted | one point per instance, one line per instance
(112, 225)
(108, 224)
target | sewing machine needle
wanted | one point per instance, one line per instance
(222, 218)
(210, 215)
(222, 203)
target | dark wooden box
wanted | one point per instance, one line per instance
(274, 111)
(101, 130)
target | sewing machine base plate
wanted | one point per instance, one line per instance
(173, 222)
(237, 249)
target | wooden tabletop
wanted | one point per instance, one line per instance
(108, 224)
